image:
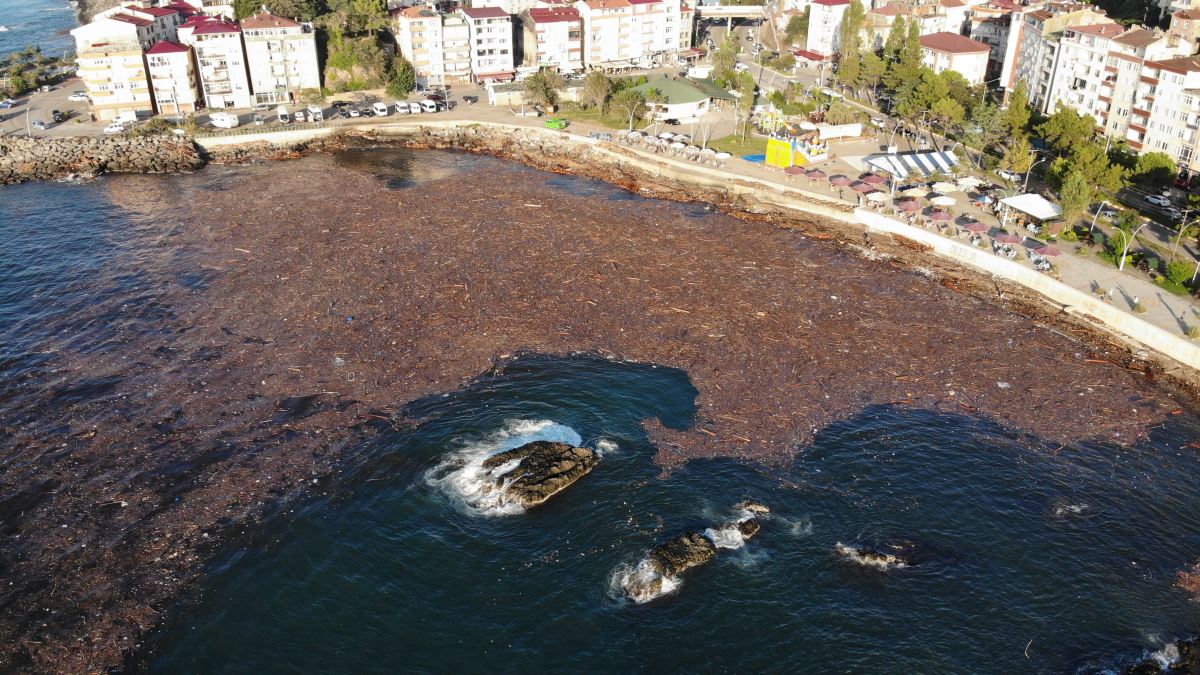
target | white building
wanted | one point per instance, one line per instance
(491, 31)
(989, 22)
(1079, 69)
(607, 32)
(1032, 47)
(173, 79)
(456, 49)
(824, 25)
(214, 8)
(282, 56)
(418, 33)
(950, 51)
(1167, 113)
(654, 31)
(221, 59)
(553, 38)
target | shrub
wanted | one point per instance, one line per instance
(1172, 286)
(1179, 271)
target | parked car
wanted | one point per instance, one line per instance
(1011, 176)
(366, 112)
(401, 108)
(78, 97)
(415, 108)
(380, 109)
(429, 106)
(261, 108)
(315, 113)
(1158, 200)
(39, 125)
(741, 67)
(58, 116)
(353, 112)
(259, 120)
(282, 113)
(471, 99)
(8, 103)
(117, 128)
(299, 116)
(224, 120)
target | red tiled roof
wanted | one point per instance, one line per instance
(485, 12)
(953, 43)
(890, 10)
(553, 14)
(1190, 14)
(208, 25)
(1104, 30)
(135, 20)
(268, 20)
(830, 3)
(166, 47)
(152, 11)
(805, 54)
(608, 4)
(1137, 37)
(643, 2)
(953, 3)
(414, 12)
(1182, 64)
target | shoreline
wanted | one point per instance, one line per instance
(901, 254)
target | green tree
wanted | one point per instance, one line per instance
(745, 102)
(1179, 271)
(797, 29)
(1066, 130)
(842, 113)
(245, 8)
(960, 90)
(850, 41)
(305, 10)
(1155, 169)
(403, 78)
(873, 70)
(947, 114)
(1018, 114)
(987, 126)
(1090, 160)
(725, 60)
(629, 104)
(596, 90)
(895, 39)
(17, 85)
(1018, 155)
(542, 87)
(1074, 197)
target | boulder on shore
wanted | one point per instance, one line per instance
(544, 469)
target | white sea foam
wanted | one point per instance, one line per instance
(604, 446)
(462, 476)
(3, 29)
(726, 536)
(880, 561)
(1166, 657)
(642, 583)
(1064, 510)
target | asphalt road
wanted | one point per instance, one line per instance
(38, 106)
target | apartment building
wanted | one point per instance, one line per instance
(951, 51)
(491, 35)
(221, 59)
(1166, 116)
(654, 31)
(110, 54)
(214, 8)
(1124, 68)
(553, 38)
(607, 30)
(1186, 25)
(456, 49)
(1079, 69)
(173, 78)
(989, 23)
(1033, 41)
(824, 24)
(418, 33)
(282, 58)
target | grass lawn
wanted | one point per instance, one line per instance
(574, 113)
(754, 145)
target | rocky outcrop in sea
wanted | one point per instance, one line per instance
(539, 470)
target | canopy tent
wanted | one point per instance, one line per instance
(920, 163)
(1033, 205)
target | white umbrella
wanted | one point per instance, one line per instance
(666, 135)
(943, 200)
(944, 187)
(878, 197)
(969, 182)
(916, 192)
(678, 144)
(723, 155)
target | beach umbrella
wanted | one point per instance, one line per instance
(708, 152)
(1005, 238)
(794, 170)
(839, 179)
(944, 187)
(873, 179)
(722, 155)
(859, 186)
(942, 200)
(975, 226)
(968, 182)
(1047, 250)
(878, 197)
(666, 135)
(941, 215)
(909, 205)
(916, 192)
(816, 173)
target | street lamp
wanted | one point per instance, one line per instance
(1128, 243)
(1096, 214)
(1025, 187)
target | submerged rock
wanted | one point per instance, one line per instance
(869, 557)
(540, 470)
(752, 506)
(1179, 658)
(682, 553)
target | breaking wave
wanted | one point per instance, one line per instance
(881, 561)
(642, 583)
(462, 477)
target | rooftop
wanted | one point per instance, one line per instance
(553, 14)
(203, 25)
(608, 4)
(1188, 14)
(890, 10)
(152, 11)
(1138, 37)
(485, 12)
(682, 90)
(130, 19)
(830, 3)
(1103, 30)
(953, 43)
(1181, 64)
(414, 12)
(268, 20)
(166, 47)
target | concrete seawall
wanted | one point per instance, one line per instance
(754, 192)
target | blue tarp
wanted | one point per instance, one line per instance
(757, 159)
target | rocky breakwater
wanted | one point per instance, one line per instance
(25, 159)
(661, 570)
(535, 472)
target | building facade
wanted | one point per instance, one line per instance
(553, 38)
(950, 51)
(824, 26)
(221, 59)
(608, 32)
(110, 55)
(491, 40)
(282, 58)
(173, 79)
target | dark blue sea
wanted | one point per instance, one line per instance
(44, 23)
(1030, 560)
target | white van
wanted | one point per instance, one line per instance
(127, 117)
(315, 113)
(282, 113)
(402, 108)
(381, 109)
(429, 106)
(223, 120)
(414, 108)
